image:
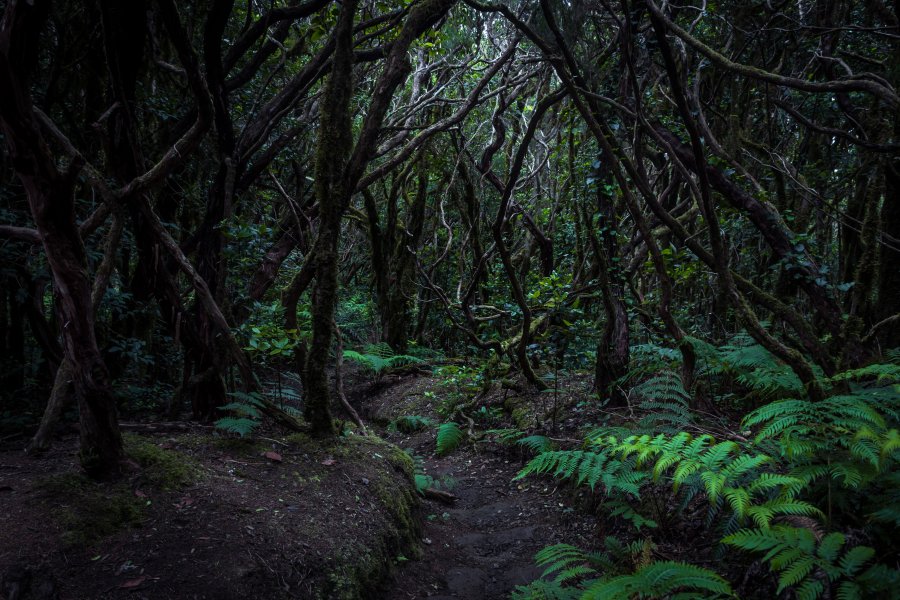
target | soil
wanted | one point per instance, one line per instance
(303, 521)
(483, 545)
(282, 516)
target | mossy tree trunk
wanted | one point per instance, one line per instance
(332, 153)
(338, 171)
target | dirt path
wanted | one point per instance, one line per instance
(483, 546)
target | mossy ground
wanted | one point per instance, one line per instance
(204, 516)
(90, 511)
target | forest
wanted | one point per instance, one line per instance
(528, 299)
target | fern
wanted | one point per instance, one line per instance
(809, 564)
(545, 590)
(576, 574)
(618, 508)
(847, 438)
(568, 568)
(449, 437)
(588, 468)
(753, 367)
(564, 561)
(659, 580)
(410, 423)
(246, 414)
(882, 373)
(666, 403)
(744, 482)
(423, 481)
(536, 443)
(507, 436)
(378, 359)
(239, 425)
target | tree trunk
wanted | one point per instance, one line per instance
(332, 153)
(51, 199)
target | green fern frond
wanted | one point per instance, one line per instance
(382, 350)
(249, 410)
(627, 512)
(796, 555)
(545, 590)
(379, 358)
(558, 559)
(246, 413)
(659, 580)
(410, 423)
(239, 425)
(882, 373)
(536, 443)
(449, 437)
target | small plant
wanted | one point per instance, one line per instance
(410, 423)
(379, 359)
(536, 444)
(246, 414)
(812, 563)
(449, 437)
(577, 574)
(423, 481)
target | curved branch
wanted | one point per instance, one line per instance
(845, 85)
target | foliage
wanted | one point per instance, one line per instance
(410, 423)
(423, 481)
(665, 401)
(844, 448)
(449, 437)
(831, 461)
(379, 359)
(535, 443)
(575, 575)
(812, 563)
(264, 334)
(246, 414)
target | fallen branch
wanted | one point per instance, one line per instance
(438, 496)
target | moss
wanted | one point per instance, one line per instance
(240, 446)
(299, 439)
(522, 416)
(163, 469)
(357, 570)
(89, 511)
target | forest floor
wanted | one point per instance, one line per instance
(483, 545)
(204, 516)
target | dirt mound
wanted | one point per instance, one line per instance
(277, 518)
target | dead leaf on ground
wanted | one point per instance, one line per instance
(273, 456)
(133, 583)
(328, 461)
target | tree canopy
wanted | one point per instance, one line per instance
(198, 198)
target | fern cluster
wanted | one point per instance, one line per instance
(246, 414)
(665, 401)
(378, 359)
(807, 464)
(568, 564)
(806, 560)
(410, 423)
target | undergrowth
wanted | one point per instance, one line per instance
(807, 488)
